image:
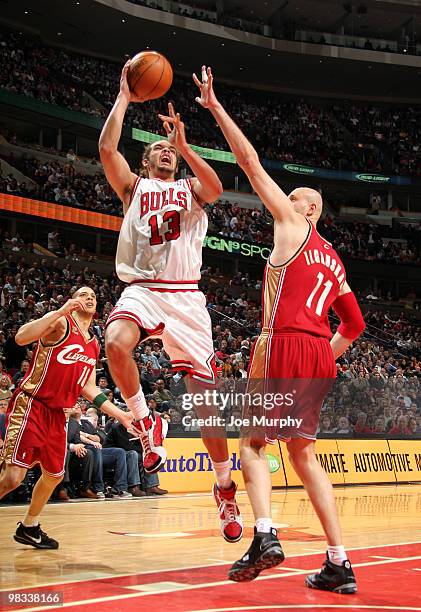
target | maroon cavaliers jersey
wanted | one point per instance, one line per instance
(58, 373)
(297, 296)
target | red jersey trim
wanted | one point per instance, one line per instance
(297, 253)
(170, 286)
(66, 335)
(93, 337)
(182, 362)
(181, 365)
(124, 314)
(133, 191)
(155, 178)
(324, 239)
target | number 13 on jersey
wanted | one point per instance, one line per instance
(172, 218)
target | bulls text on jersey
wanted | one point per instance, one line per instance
(157, 200)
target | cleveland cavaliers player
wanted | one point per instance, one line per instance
(304, 277)
(63, 366)
(159, 255)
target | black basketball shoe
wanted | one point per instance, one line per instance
(34, 536)
(335, 578)
(265, 552)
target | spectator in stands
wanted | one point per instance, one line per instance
(148, 378)
(14, 354)
(3, 406)
(6, 387)
(400, 428)
(149, 357)
(84, 457)
(103, 385)
(54, 242)
(119, 438)
(361, 426)
(326, 425)
(163, 397)
(335, 134)
(24, 366)
(126, 477)
(343, 428)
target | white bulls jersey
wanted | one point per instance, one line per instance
(162, 233)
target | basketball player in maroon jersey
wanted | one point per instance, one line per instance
(63, 366)
(159, 255)
(304, 277)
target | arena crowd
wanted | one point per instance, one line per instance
(324, 133)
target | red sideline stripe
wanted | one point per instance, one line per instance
(386, 575)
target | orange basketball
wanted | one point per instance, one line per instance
(149, 75)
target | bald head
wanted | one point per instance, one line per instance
(307, 202)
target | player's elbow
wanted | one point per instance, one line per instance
(361, 326)
(352, 321)
(20, 338)
(106, 149)
(249, 163)
(215, 192)
(352, 328)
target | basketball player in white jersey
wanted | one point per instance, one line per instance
(159, 255)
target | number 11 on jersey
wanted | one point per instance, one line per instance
(321, 301)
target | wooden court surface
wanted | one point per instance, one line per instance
(166, 553)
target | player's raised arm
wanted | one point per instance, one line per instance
(352, 322)
(207, 186)
(100, 400)
(51, 327)
(116, 168)
(268, 191)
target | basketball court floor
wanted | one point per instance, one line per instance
(166, 554)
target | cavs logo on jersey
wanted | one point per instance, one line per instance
(156, 200)
(73, 353)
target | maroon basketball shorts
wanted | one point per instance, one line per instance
(292, 374)
(34, 434)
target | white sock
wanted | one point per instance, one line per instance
(137, 404)
(222, 471)
(31, 521)
(263, 525)
(336, 554)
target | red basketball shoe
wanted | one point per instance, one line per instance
(229, 513)
(152, 431)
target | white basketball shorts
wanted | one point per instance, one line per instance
(179, 317)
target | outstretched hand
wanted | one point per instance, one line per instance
(207, 97)
(176, 134)
(124, 86)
